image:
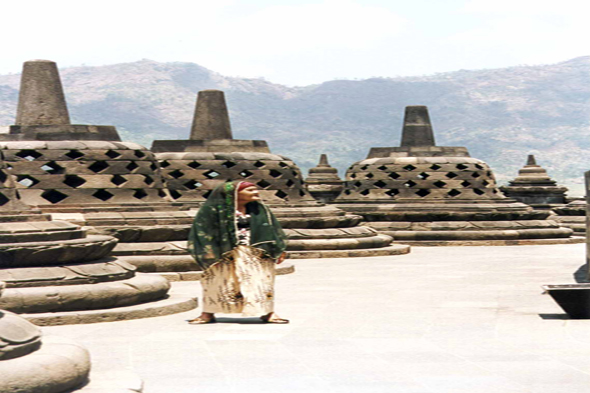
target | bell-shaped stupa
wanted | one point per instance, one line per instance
(57, 274)
(85, 175)
(424, 194)
(534, 187)
(323, 182)
(194, 167)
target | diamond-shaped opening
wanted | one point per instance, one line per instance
(259, 164)
(263, 183)
(422, 192)
(2, 176)
(283, 164)
(454, 193)
(364, 167)
(74, 181)
(353, 176)
(3, 199)
(410, 183)
(140, 194)
(148, 179)
(393, 192)
(274, 173)
(394, 175)
(475, 175)
(74, 154)
(52, 168)
(29, 155)
(369, 175)
(478, 191)
(357, 184)
(489, 174)
(98, 166)
(423, 176)
(211, 174)
(485, 183)
(53, 196)
(161, 193)
(112, 154)
(246, 173)
(347, 192)
(103, 195)
(295, 173)
(380, 184)
(495, 190)
(290, 183)
(382, 168)
(192, 184)
(165, 164)
(435, 167)
(461, 166)
(153, 166)
(281, 194)
(479, 166)
(132, 166)
(175, 194)
(139, 154)
(118, 180)
(365, 192)
(301, 193)
(229, 164)
(451, 175)
(440, 183)
(465, 183)
(193, 164)
(178, 173)
(26, 180)
(409, 167)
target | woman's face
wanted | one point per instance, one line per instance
(248, 194)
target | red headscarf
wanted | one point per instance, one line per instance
(245, 184)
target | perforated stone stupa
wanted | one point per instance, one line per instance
(424, 194)
(57, 274)
(192, 168)
(534, 187)
(323, 182)
(86, 175)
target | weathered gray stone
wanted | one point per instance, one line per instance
(323, 182)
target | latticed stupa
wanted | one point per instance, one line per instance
(323, 182)
(86, 175)
(534, 187)
(424, 194)
(194, 167)
(57, 274)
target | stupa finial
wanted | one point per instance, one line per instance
(211, 119)
(417, 129)
(324, 160)
(41, 99)
(531, 160)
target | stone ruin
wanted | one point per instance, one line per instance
(572, 215)
(424, 194)
(84, 173)
(534, 187)
(57, 274)
(194, 167)
(323, 182)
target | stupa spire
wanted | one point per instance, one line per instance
(211, 119)
(531, 160)
(41, 99)
(323, 160)
(417, 129)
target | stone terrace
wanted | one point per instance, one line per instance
(451, 319)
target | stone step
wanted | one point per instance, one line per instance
(396, 249)
(516, 242)
(173, 304)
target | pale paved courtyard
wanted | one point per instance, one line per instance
(457, 319)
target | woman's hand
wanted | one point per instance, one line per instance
(281, 258)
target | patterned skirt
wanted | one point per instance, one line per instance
(242, 282)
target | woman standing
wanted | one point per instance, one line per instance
(236, 240)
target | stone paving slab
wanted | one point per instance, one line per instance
(449, 319)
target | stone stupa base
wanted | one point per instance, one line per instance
(516, 242)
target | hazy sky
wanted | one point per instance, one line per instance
(298, 42)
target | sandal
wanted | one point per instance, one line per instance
(201, 321)
(273, 319)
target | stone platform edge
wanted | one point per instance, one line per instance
(475, 243)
